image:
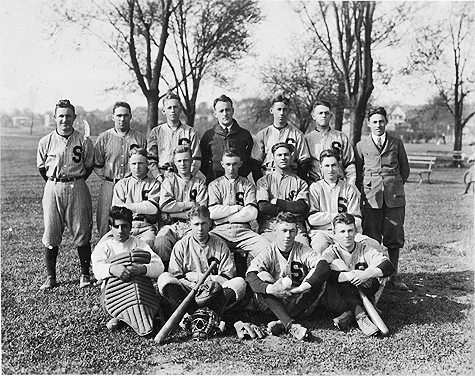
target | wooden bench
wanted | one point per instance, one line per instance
(421, 165)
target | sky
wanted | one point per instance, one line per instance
(36, 71)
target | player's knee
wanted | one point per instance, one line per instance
(320, 242)
(164, 280)
(238, 285)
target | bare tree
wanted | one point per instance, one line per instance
(445, 50)
(209, 36)
(136, 31)
(304, 78)
(348, 32)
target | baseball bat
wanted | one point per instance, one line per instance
(181, 309)
(372, 313)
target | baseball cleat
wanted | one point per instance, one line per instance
(49, 283)
(343, 321)
(397, 283)
(298, 331)
(113, 324)
(84, 281)
(366, 325)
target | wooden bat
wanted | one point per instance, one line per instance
(375, 317)
(181, 309)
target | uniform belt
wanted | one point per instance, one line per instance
(112, 180)
(384, 173)
(64, 180)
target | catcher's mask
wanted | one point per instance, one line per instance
(203, 323)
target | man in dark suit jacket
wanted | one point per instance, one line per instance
(225, 135)
(382, 169)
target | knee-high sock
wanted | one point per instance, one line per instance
(394, 258)
(276, 306)
(84, 253)
(51, 254)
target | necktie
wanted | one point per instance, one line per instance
(226, 131)
(379, 142)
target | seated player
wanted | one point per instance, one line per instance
(129, 260)
(164, 138)
(232, 204)
(191, 257)
(140, 194)
(179, 193)
(280, 131)
(354, 265)
(282, 191)
(328, 197)
(287, 258)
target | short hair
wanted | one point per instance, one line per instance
(285, 217)
(122, 104)
(289, 147)
(232, 153)
(139, 151)
(169, 96)
(330, 153)
(64, 103)
(378, 111)
(119, 212)
(280, 98)
(322, 103)
(200, 211)
(222, 98)
(182, 149)
(345, 218)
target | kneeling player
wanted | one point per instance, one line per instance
(127, 265)
(287, 258)
(190, 259)
(355, 265)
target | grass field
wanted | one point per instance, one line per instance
(63, 331)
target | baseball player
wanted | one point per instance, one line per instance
(282, 191)
(179, 193)
(287, 258)
(191, 257)
(140, 194)
(280, 131)
(167, 136)
(382, 169)
(225, 135)
(111, 159)
(325, 138)
(328, 197)
(232, 204)
(122, 241)
(65, 160)
(355, 264)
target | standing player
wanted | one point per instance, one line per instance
(225, 135)
(287, 258)
(282, 191)
(180, 192)
(382, 169)
(191, 257)
(355, 265)
(164, 138)
(325, 138)
(328, 197)
(140, 194)
(232, 204)
(111, 158)
(65, 160)
(279, 131)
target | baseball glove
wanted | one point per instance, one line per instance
(202, 324)
(208, 293)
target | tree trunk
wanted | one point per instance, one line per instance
(458, 135)
(190, 115)
(340, 106)
(152, 112)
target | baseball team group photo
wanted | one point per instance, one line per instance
(314, 227)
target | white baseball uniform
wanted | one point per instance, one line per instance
(111, 163)
(66, 198)
(318, 141)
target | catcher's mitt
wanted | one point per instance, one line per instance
(202, 324)
(208, 293)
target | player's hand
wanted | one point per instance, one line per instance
(137, 269)
(304, 286)
(244, 329)
(359, 277)
(279, 290)
(120, 271)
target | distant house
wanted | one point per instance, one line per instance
(396, 119)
